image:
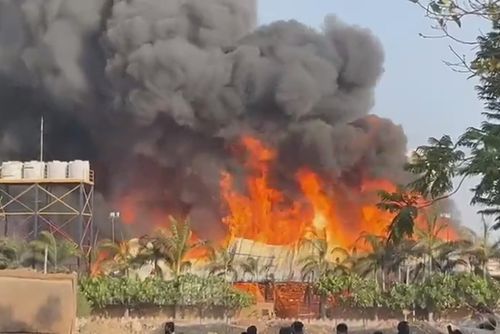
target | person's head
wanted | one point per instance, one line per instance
(378, 332)
(403, 327)
(342, 328)
(297, 327)
(286, 330)
(252, 330)
(169, 327)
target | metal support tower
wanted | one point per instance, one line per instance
(63, 207)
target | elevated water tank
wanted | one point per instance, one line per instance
(57, 170)
(79, 169)
(34, 170)
(12, 170)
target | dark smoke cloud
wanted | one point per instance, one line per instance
(155, 92)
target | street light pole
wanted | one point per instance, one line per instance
(113, 216)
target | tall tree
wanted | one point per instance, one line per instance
(11, 253)
(481, 248)
(256, 269)
(222, 263)
(58, 252)
(476, 153)
(322, 259)
(179, 244)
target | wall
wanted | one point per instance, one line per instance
(32, 302)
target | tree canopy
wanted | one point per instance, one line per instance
(440, 167)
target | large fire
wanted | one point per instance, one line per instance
(268, 215)
(319, 206)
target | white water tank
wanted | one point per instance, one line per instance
(56, 170)
(12, 170)
(79, 170)
(34, 170)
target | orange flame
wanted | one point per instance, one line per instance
(267, 215)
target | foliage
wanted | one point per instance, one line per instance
(11, 253)
(404, 207)
(59, 251)
(400, 297)
(318, 263)
(83, 307)
(436, 293)
(476, 153)
(222, 263)
(187, 290)
(256, 270)
(349, 290)
(114, 257)
(480, 248)
(172, 247)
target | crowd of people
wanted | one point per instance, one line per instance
(298, 328)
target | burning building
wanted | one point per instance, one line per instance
(186, 108)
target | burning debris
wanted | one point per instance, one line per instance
(186, 108)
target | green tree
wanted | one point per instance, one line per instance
(11, 253)
(255, 269)
(58, 252)
(117, 257)
(318, 262)
(481, 248)
(435, 253)
(476, 153)
(222, 263)
(404, 206)
(179, 244)
(376, 261)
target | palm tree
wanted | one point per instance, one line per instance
(11, 253)
(154, 249)
(58, 251)
(222, 263)
(318, 263)
(179, 245)
(378, 260)
(481, 249)
(114, 257)
(256, 271)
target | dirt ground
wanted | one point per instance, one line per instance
(154, 326)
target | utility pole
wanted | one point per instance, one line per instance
(41, 138)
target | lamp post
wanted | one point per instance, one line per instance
(113, 216)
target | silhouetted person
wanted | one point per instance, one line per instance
(170, 327)
(297, 327)
(378, 332)
(286, 330)
(453, 331)
(342, 328)
(403, 327)
(252, 330)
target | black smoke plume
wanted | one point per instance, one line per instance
(155, 92)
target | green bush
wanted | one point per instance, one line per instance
(83, 307)
(188, 290)
(436, 293)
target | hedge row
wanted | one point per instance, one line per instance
(189, 290)
(437, 292)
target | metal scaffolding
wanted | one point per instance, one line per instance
(62, 207)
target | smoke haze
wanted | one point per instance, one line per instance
(156, 92)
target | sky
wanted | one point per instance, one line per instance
(417, 90)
